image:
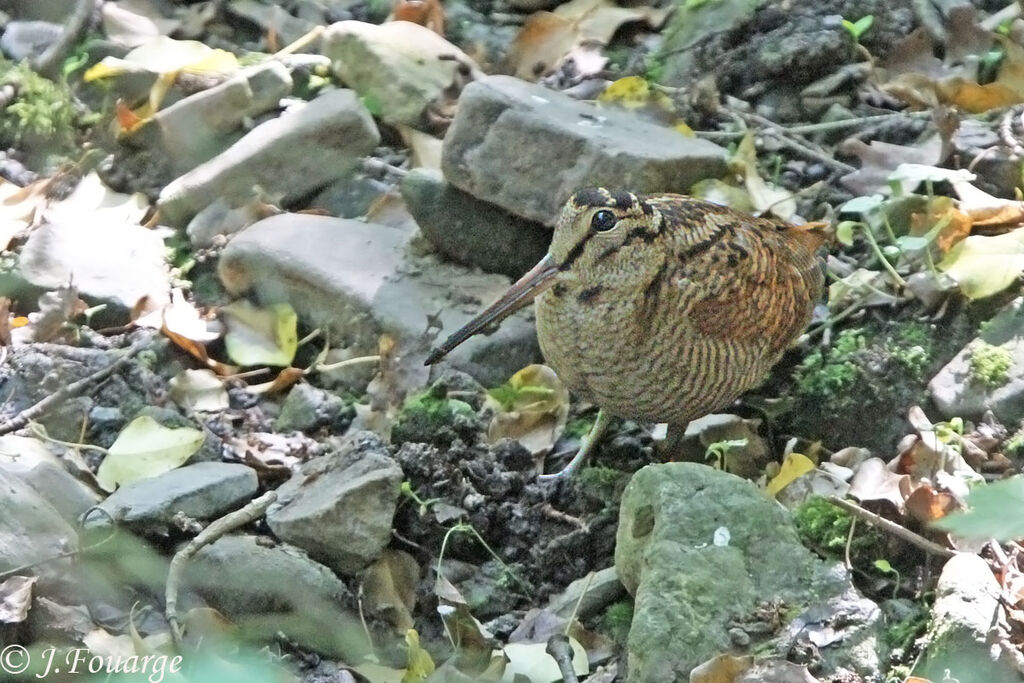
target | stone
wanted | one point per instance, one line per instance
(34, 463)
(746, 455)
(963, 638)
(470, 231)
(597, 592)
(280, 588)
(362, 279)
(307, 407)
(339, 506)
(203, 491)
(56, 11)
(197, 128)
(527, 149)
(31, 531)
(271, 18)
(701, 550)
(283, 157)
(400, 66)
(28, 39)
(956, 390)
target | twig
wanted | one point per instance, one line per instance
(560, 649)
(254, 510)
(46, 63)
(893, 528)
(823, 127)
(66, 392)
(552, 513)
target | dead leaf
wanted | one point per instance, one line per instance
(926, 504)
(16, 598)
(542, 41)
(199, 390)
(532, 407)
(765, 196)
(956, 224)
(389, 588)
(879, 159)
(722, 668)
(135, 22)
(987, 211)
(873, 481)
(428, 13)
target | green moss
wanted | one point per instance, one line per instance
(990, 364)
(826, 528)
(578, 427)
(41, 112)
(856, 392)
(616, 620)
(434, 417)
(603, 483)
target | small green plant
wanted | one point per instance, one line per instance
(617, 619)
(859, 27)
(990, 364)
(718, 452)
(826, 528)
(578, 427)
(42, 110)
(885, 567)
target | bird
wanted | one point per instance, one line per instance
(662, 307)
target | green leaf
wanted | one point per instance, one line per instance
(261, 336)
(984, 266)
(995, 511)
(861, 26)
(862, 205)
(145, 448)
(844, 232)
(883, 566)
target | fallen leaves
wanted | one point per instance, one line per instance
(532, 407)
(145, 448)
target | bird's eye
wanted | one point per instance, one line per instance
(603, 220)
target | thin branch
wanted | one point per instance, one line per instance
(56, 398)
(251, 512)
(893, 528)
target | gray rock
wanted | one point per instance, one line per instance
(47, 10)
(527, 149)
(284, 156)
(693, 588)
(203, 491)
(339, 507)
(32, 530)
(271, 17)
(400, 66)
(597, 592)
(306, 407)
(956, 393)
(28, 39)
(361, 279)
(470, 231)
(33, 462)
(199, 127)
(963, 637)
(279, 588)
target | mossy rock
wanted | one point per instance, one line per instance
(436, 418)
(856, 392)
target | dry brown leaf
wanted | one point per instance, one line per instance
(879, 159)
(285, 379)
(926, 504)
(542, 41)
(722, 668)
(941, 209)
(600, 19)
(987, 211)
(428, 13)
(389, 588)
(873, 481)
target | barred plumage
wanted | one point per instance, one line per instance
(664, 307)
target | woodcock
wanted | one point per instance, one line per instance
(662, 308)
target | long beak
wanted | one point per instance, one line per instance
(525, 290)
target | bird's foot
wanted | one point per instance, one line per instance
(567, 472)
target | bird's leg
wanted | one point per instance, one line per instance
(589, 442)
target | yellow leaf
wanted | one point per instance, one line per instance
(795, 465)
(984, 266)
(632, 92)
(420, 663)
